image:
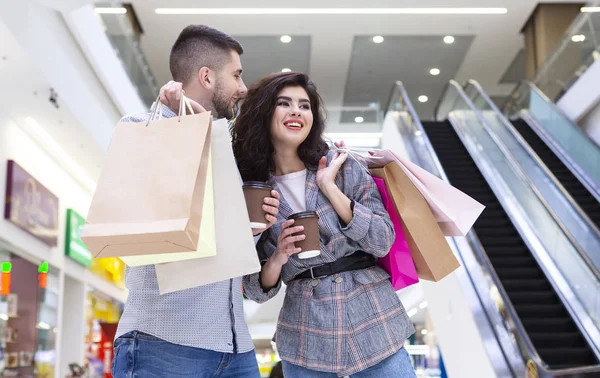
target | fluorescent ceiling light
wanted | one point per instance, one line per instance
(578, 38)
(359, 119)
(328, 11)
(590, 9)
(111, 10)
(449, 39)
(423, 305)
(434, 71)
(286, 70)
(412, 312)
(378, 39)
(423, 98)
(285, 39)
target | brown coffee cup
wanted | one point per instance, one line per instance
(311, 246)
(255, 193)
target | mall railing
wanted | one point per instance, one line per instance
(124, 34)
(571, 145)
(582, 230)
(578, 49)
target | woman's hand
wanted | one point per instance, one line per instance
(285, 243)
(170, 95)
(326, 174)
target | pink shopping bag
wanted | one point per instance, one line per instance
(398, 263)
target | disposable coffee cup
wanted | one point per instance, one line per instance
(255, 193)
(311, 245)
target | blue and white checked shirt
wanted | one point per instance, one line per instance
(208, 317)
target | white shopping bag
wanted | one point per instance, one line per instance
(236, 253)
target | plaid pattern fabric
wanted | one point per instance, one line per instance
(350, 321)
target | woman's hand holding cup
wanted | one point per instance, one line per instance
(285, 243)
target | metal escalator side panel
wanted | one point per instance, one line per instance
(517, 326)
(513, 210)
(494, 326)
(560, 153)
(582, 231)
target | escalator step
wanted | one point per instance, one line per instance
(568, 356)
(510, 262)
(532, 298)
(516, 273)
(552, 310)
(504, 251)
(544, 324)
(558, 339)
(527, 284)
(495, 231)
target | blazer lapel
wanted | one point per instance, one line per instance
(312, 190)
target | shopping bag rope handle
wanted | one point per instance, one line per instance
(157, 113)
(354, 154)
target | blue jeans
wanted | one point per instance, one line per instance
(395, 366)
(144, 356)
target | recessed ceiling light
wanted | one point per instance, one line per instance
(434, 71)
(286, 70)
(412, 312)
(423, 305)
(424, 332)
(578, 38)
(111, 10)
(285, 39)
(378, 39)
(330, 11)
(359, 119)
(449, 39)
(423, 98)
(590, 9)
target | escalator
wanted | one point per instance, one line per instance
(552, 331)
(588, 203)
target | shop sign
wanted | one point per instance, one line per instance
(31, 206)
(74, 247)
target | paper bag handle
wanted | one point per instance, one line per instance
(157, 113)
(185, 102)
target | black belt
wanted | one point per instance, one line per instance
(357, 260)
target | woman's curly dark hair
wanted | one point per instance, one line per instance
(251, 131)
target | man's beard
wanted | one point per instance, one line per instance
(222, 103)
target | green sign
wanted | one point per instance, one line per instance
(74, 247)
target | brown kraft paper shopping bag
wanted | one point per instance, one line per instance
(236, 253)
(149, 196)
(429, 249)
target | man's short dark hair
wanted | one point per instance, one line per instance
(200, 46)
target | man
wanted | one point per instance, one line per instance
(198, 332)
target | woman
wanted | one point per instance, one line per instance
(341, 315)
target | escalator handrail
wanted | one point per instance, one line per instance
(574, 167)
(527, 343)
(520, 329)
(411, 110)
(510, 316)
(549, 174)
(557, 109)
